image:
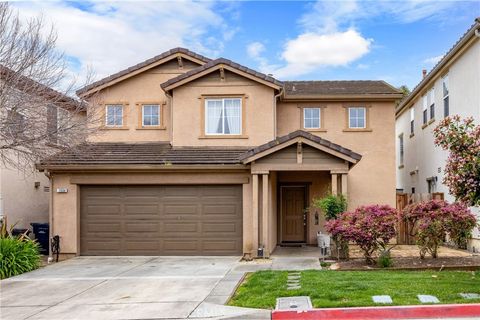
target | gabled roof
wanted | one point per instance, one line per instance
(152, 61)
(35, 88)
(295, 89)
(217, 64)
(439, 67)
(303, 136)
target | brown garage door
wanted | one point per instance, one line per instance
(161, 220)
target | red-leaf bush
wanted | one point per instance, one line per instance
(432, 220)
(370, 227)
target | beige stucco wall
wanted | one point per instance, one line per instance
(372, 179)
(141, 88)
(187, 110)
(22, 203)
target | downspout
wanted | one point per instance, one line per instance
(275, 113)
(170, 106)
(50, 214)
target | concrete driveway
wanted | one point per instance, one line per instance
(126, 288)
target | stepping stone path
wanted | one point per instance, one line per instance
(470, 295)
(382, 299)
(293, 280)
(427, 299)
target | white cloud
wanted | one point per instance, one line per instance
(433, 60)
(255, 49)
(330, 36)
(310, 51)
(110, 36)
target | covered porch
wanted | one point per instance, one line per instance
(287, 175)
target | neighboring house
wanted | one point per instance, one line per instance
(25, 192)
(208, 157)
(452, 87)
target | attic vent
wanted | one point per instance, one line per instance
(46, 189)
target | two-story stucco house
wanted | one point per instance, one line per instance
(452, 87)
(208, 157)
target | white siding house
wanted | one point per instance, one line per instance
(451, 87)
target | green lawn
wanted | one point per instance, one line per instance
(354, 288)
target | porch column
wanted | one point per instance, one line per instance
(255, 213)
(344, 184)
(265, 215)
(334, 184)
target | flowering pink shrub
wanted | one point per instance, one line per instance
(433, 220)
(370, 227)
(462, 171)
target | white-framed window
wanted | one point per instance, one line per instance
(223, 116)
(150, 115)
(412, 121)
(114, 115)
(424, 109)
(311, 118)
(446, 96)
(357, 117)
(400, 149)
(431, 102)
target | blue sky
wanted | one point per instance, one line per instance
(304, 40)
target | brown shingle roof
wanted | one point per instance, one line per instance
(436, 69)
(141, 65)
(347, 87)
(216, 62)
(143, 153)
(303, 134)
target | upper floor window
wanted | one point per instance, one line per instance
(412, 121)
(424, 110)
(446, 96)
(223, 116)
(150, 115)
(311, 118)
(431, 102)
(114, 115)
(400, 149)
(357, 117)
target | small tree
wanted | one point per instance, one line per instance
(370, 227)
(331, 205)
(433, 220)
(462, 170)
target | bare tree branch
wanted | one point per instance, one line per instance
(37, 121)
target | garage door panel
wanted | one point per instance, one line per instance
(161, 220)
(180, 228)
(176, 209)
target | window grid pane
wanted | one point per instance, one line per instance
(114, 115)
(311, 118)
(151, 115)
(357, 117)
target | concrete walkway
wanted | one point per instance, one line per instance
(126, 288)
(140, 287)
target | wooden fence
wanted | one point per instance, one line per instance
(405, 230)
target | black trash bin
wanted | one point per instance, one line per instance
(19, 232)
(41, 231)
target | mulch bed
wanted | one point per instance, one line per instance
(415, 263)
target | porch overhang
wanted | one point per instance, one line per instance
(300, 151)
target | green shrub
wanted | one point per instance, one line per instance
(385, 259)
(18, 255)
(331, 205)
